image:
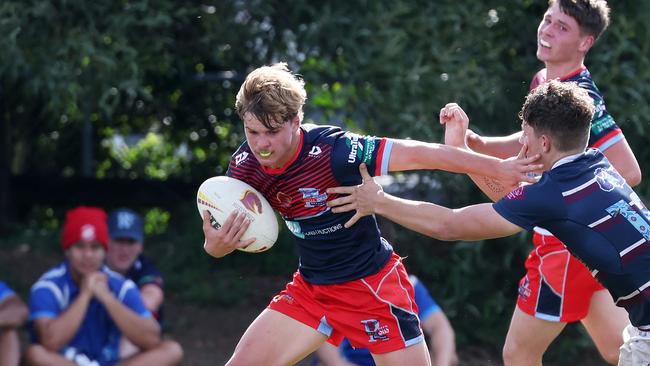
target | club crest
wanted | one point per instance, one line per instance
(608, 179)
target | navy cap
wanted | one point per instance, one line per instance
(125, 224)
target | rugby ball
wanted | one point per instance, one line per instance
(221, 195)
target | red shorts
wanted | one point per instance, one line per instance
(377, 312)
(557, 287)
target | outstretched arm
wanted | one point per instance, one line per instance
(501, 147)
(413, 155)
(456, 122)
(475, 222)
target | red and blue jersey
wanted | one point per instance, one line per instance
(98, 336)
(327, 157)
(604, 130)
(586, 203)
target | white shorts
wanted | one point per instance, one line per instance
(635, 350)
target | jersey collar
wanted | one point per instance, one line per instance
(573, 73)
(566, 159)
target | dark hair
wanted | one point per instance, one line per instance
(562, 110)
(592, 16)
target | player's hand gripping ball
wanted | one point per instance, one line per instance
(221, 195)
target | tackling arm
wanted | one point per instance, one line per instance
(413, 155)
(468, 223)
(501, 147)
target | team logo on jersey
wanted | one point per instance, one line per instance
(315, 151)
(241, 157)
(285, 199)
(359, 151)
(609, 179)
(516, 194)
(313, 197)
(375, 331)
(252, 202)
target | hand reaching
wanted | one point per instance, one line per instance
(515, 170)
(456, 122)
(360, 197)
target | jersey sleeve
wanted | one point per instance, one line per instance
(350, 150)
(531, 205)
(5, 291)
(426, 304)
(604, 130)
(129, 295)
(45, 300)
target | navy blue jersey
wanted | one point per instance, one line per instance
(327, 157)
(604, 130)
(144, 272)
(585, 203)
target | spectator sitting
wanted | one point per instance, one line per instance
(125, 245)
(13, 313)
(441, 342)
(80, 309)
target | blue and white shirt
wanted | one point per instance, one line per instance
(5, 291)
(98, 336)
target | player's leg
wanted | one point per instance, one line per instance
(9, 347)
(37, 355)
(167, 353)
(275, 339)
(417, 354)
(528, 338)
(605, 323)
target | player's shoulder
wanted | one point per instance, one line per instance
(53, 280)
(320, 133)
(118, 284)
(55, 274)
(5, 291)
